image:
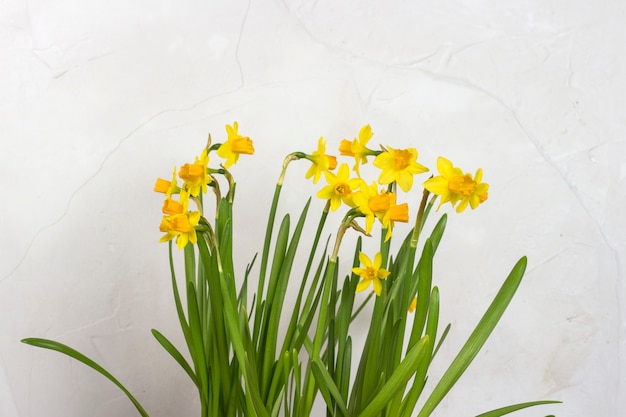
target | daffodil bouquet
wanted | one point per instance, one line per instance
(248, 355)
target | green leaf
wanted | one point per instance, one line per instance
(442, 339)
(511, 408)
(279, 255)
(264, 258)
(66, 350)
(231, 322)
(398, 379)
(424, 275)
(327, 387)
(199, 355)
(278, 286)
(414, 392)
(437, 233)
(477, 338)
(179, 306)
(298, 312)
(190, 263)
(178, 357)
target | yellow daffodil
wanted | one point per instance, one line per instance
(371, 273)
(196, 175)
(234, 146)
(167, 187)
(370, 204)
(358, 148)
(454, 186)
(395, 213)
(399, 165)
(413, 305)
(180, 226)
(382, 206)
(320, 161)
(339, 188)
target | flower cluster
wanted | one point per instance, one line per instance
(372, 200)
(178, 221)
(397, 167)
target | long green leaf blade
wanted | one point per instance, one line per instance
(511, 408)
(178, 357)
(477, 338)
(398, 379)
(328, 387)
(66, 350)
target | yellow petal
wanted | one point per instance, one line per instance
(378, 286)
(365, 261)
(405, 181)
(437, 185)
(369, 223)
(461, 207)
(365, 134)
(378, 260)
(362, 285)
(445, 167)
(358, 271)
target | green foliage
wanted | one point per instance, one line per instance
(66, 350)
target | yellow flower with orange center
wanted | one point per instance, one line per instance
(180, 226)
(320, 162)
(234, 146)
(382, 206)
(370, 204)
(399, 165)
(454, 186)
(339, 188)
(358, 148)
(167, 187)
(395, 213)
(196, 175)
(370, 273)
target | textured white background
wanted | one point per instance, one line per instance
(98, 98)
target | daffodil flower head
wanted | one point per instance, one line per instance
(339, 188)
(395, 213)
(365, 200)
(180, 226)
(370, 272)
(196, 175)
(413, 305)
(453, 186)
(358, 148)
(399, 165)
(167, 187)
(234, 146)
(320, 161)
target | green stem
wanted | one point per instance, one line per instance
(419, 219)
(266, 245)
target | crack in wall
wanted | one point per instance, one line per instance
(125, 139)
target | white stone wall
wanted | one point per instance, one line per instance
(98, 98)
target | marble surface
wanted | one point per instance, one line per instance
(99, 98)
